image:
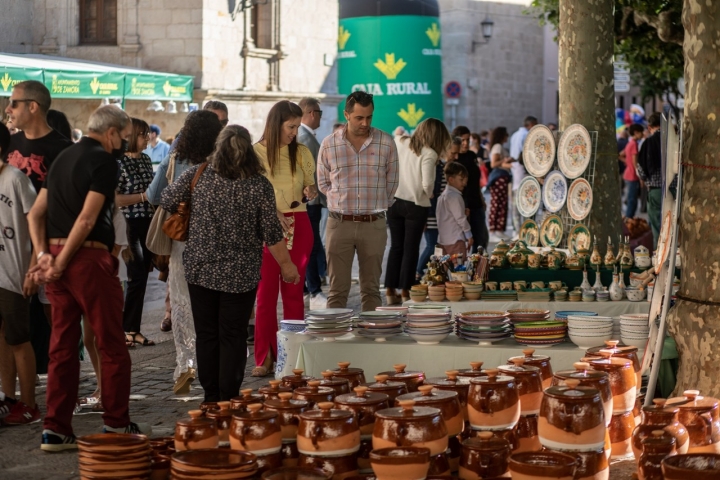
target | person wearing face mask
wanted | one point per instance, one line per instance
(71, 226)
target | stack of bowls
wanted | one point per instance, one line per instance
(454, 291)
(635, 294)
(575, 296)
(114, 455)
(430, 327)
(634, 329)
(603, 295)
(212, 464)
(560, 295)
(586, 332)
(472, 290)
(329, 323)
(483, 327)
(562, 315)
(379, 325)
(418, 293)
(436, 292)
(588, 295)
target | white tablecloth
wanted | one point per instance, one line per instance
(607, 309)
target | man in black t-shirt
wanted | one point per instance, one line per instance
(472, 195)
(72, 232)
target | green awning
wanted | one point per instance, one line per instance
(158, 87)
(9, 76)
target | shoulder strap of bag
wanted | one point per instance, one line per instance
(197, 176)
(170, 174)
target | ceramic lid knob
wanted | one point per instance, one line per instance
(297, 372)
(327, 374)
(406, 405)
(485, 435)
(399, 368)
(451, 374)
(195, 414)
(325, 407)
(275, 384)
(611, 343)
(426, 390)
(246, 392)
(343, 365)
(605, 353)
(492, 373)
(381, 378)
(691, 394)
(659, 402)
(518, 361)
(476, 366)
(572, 383)
(255, 408)
(313, 384)
(224, 405)
(581, 366)
(528, 352)
(285, 397)
(657, 433)
(360, 391)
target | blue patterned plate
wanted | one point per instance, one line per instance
(554, 191)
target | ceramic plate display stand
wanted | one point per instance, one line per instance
(580, 199)
(529, 196)
(551, 231)
(530, 233)
(574, 151)
(554, 191)
(579, 239)
(539, 151)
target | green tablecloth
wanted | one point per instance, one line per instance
(572, 278)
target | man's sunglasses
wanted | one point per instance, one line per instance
(224, 122)
(15, 103)
(319, 112)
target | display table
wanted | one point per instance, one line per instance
(605, 309)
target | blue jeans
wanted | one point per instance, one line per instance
(317, 265)
(431, 236)
(633, 192)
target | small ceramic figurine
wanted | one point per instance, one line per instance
(626, 262)
(609, 255)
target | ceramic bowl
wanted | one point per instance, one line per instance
(400, 462)
(635, 295)
(428, 339)
(588, 341)
(699, 466)
(454, 298)
(473, 296)
(418, 298)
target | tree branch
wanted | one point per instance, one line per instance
(666, 30)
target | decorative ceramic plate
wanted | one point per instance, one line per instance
(579, 238)
(580, 199)
(554, 192)
(530, 233)
(551, 231)
(539, 151)
(528, 197)
(574, 151)
(664, 239)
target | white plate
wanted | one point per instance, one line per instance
(554, 191)
(574, 150)
(579, 199)
(529, 196)
(539, 150)
(330, 312)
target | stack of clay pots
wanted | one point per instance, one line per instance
(258, 431)
(530, 390)
(288, 411)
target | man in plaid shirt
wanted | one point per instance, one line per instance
(357, 169)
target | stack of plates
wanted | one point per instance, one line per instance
(603, 296)
(379, 325)
(500, 295)
(395, 308)
(562, 315)
(483, 327)
(212, 464)
(535, 295)
(560, 296)
(114, 455)
(429, 308)
(540, 334)
(294, 326)
(328, 323)
(522, 315)
(588, 295)
(587, 332)
(634, 329)
(429, 327)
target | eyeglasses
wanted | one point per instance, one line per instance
(295, 204)
(14, 103)
(319, 112)
(224, 122)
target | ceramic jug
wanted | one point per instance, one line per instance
(475, 370)
(411, 426)
(659, 416)
(196, 432)
(616, 291)
(223, 417)
(529, 384)
(589, 378)
(585, 285)
(296, 380)
(272, 390)
(542, 465)
(248, 397)
(328, 431)
(452, 383)
(598, 286)
(700, 416)
(596, 259)
(314, 393)
(655, 448)
(620, 430)
(628, 351)
(400, 463)
(339, 384)
(623, 381)
(288, 410)
(444, 400)
(621, 250)
(621, 282)
(609, 260)
(363, 404)
(257, 431)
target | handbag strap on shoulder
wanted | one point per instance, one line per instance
(197, 176)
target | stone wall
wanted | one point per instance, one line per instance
(16, 25)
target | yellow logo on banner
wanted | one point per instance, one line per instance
(412, 116)
(433, 34)
(94, 85)
(390, 68)
(343, 37)
(167, 88)
(6, 81)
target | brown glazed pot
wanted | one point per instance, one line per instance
(589, 378)
(529, 383)
(364, 454)
(338, 467)
(269, 462)
(697, 466)
(637, 409)
(509, 434)
(328, 431)
(622, 379)
(288, 411)
(699, 415)
(527, 434)
(241, 402)
(363, 404)
(475, 370)
(410, 426)
(296, 380)
(620, 430)
(356, 376)
(454, 452)
(223, 417)
(572, 418)
(590, 465)
(272, 390)
(487, 455)
(625, 351)
(542, 465)
(295, 473)
(339, 384)
(411, 378)
(439, 466)
(391, 389)
(196, 432)
(205, 406)
(452, 383)
(660, 417)
(493, 402)
(655, 449)
(256, 431)
(289, 454)
(399, 463)
(540, 361)
(446, 401)
(314, 393)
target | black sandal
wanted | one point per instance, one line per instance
(144, 342)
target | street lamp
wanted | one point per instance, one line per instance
(487, 31)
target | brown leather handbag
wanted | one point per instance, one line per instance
(176, 226)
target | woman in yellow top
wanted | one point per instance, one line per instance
(290, 168)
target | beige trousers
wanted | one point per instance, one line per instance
(343, 240)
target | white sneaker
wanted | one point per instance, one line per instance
(306, 298)
(318, 302)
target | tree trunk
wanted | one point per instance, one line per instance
(587, 96)
(695, 319)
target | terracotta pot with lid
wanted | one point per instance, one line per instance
(339, 467)
(410, 426)
(272, 390)
(223, 416)
(591, 465)
(526, 432)
(356, 376)
(363, 404)
(622, 379)
(328, 431)
(529, 384)
(540, 361)
(446, 401)
(572, 418)
(288, 411)
(475, 370)
(313, 393)
(205, 406)
(289, 453)
(625, 351)
(620, 431)
(699, 415)
(398, 463)
(339, 384)
(697, 466)
(296, 380)
(542, 465)
(241, 402)
(589, 378)
(452, 383)
(256, 431)
(390, 388)
(486, 455)
(411, 378)
(660, 417)
(655, 448)
(493, 402)
(196, 432)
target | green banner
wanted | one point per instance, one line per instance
(67, 84)
(11, 76)
(158, 87)
(398, 59)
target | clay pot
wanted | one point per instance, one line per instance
(698, 414)
(356, 376)
(223, 417)
(637, 409)
(410, 426)
(454, 452)
(589, 378)
(509, 434)
(288, 411)
(339, 384)
(529, 384)
(527, 434)
(272, 390)
(363, 404)
(295, 473)
(439, 466)
(289, 453)
(296, 380)
(196, 432)
(213, 463)
(484, 456)
(542, 465)
(363, 455)
(400, 463)
(626, 351)
(452, 383)
(328, 431)
(446, 401)
(391, 389)
(247, 398)
(160, 469)
(338, 467)
(572, 418)
(314, 393)
(622, 379)
(655, 449)
(205, 406)
(475, 370)
(269, 462)
(660, 417)
(256, 431)
(540, 361)
(620, 430)
(411, 378)
(591, 465)
(698, 466)
(493, 402)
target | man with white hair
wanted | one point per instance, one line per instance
(71, 225)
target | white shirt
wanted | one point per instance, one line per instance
(453, 225)
(516, 145)
(417, 173)
(17, 196)
(120, 239)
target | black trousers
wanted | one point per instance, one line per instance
(221, 321)
(138, 269)
(407, 222)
